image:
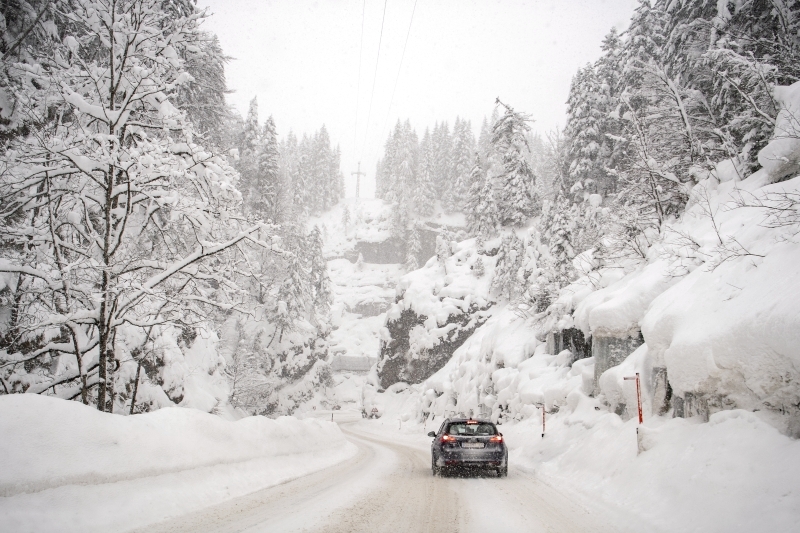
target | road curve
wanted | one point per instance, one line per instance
(389, 487)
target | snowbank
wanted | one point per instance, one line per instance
(716, 302)
(735, 474)
(94, 471)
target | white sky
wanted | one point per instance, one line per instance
(301, 59)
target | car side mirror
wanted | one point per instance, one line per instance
(431, 434)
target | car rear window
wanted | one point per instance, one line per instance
(463, 428)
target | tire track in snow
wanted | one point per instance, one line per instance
(388, 486)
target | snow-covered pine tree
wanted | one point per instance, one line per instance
(443, 251)
(559, 233)
(320, 279)
(506, 280)
(442, 162)
(479, 270)
(250, 155)
(203, 98)
(516, 202)
(612, 146)
(424, 196)
(302, 195)
(388, 168)
(476, 203)
(346, 219)
(336, 176)
(265, 189)
(380, 180)
(584, 129)
(485, 142)
(323, 180)
(295, 294)
(402, 192)
(485, 215)
(413, 248)
(463, 161)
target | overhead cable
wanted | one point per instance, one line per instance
(375, 78)
(358, 89)
(391, 101)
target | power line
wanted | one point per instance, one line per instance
(375, 78)
(358, 89)
(391, 101)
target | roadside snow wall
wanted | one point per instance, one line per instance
(96, 471)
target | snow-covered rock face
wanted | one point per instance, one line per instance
(438, 307)
(502, 372)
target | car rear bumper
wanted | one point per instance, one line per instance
(470, 458)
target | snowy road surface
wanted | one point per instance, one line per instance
(388, 486)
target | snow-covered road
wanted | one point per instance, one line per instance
(388, 486)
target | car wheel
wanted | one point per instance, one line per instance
(435, 469)
(502, 472)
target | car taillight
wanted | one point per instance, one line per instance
(496, 438)
(448, 438)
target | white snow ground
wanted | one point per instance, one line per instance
(388, 486)
(80, 470)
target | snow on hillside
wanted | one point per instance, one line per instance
(94, 471)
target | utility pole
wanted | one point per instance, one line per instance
(358, 179)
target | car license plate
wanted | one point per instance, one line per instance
(472, 445)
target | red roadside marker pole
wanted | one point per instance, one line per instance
(638, 395)
(543, 412)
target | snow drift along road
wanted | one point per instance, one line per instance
(68, 467)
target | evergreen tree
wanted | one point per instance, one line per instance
(559, 233)
(265, 190)
(321, 282)
(516, 202)
(413, 248)
(481, 210)
(345, 218)
(584, 129)
(506, 280)
(488, 219)
(443, 251)
(479, 270)
(203, 98)
(295, 293)
(402, 192)
(463, 160)
(424, 196)
(442, 162)
(250, 150)
(485, 142)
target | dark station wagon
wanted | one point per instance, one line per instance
(468, 443)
